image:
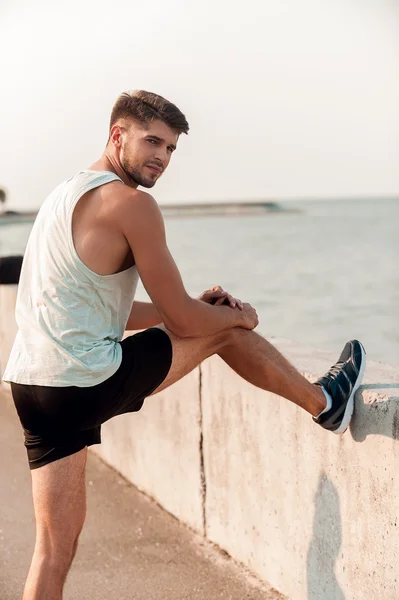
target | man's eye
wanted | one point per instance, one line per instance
(152, 141)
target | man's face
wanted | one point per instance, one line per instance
(145, 152)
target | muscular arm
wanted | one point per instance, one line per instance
(143, 315)
(142, 224)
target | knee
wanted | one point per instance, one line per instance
(233, 336)
(232, 339)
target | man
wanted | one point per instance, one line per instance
(70, 371)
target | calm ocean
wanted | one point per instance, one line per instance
(320, 276)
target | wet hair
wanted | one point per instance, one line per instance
(145, 107)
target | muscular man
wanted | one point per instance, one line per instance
(69, 369)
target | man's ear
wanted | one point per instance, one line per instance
(115, 135)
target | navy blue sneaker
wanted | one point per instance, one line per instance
(341, 382)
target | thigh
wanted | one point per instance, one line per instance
(59, 498)
(188, 353)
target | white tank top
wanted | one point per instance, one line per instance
(70, 319)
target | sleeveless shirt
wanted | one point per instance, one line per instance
(70, 319)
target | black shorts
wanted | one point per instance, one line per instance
(59, 421)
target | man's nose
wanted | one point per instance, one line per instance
(161, 154)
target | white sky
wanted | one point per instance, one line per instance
(285, 98)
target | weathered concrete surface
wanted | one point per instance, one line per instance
(130, 548)
(316, 515)
(158, 449)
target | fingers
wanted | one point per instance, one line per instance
(234, 302)
(252, 320)
(223, 300)
(217, 296)
(230, 301)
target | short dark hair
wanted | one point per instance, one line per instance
(145, 107)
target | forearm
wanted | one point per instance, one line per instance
(142, 316)
(201, 319)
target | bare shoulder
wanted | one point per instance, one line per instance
(130, 207)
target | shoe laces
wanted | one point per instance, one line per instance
(334, 370)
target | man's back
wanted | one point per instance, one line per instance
(97, 236)
(70, 317)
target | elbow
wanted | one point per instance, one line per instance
(183, 322)
(181, 326)
(178, 328)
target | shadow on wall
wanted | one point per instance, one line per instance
(377, 418)
(325, 544)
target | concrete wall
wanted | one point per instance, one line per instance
(314, 514)
(158, 449)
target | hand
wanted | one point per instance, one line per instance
(249, 318)
(217, 296)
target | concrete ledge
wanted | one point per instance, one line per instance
(158, 449)
(314, 514)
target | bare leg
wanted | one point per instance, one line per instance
(59, 497)
(260, 363)
(253, 358)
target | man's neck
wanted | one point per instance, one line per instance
(108, 163)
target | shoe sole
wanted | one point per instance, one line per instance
(346, 419)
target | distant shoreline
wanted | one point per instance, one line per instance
(180, 210)
(224, 208)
